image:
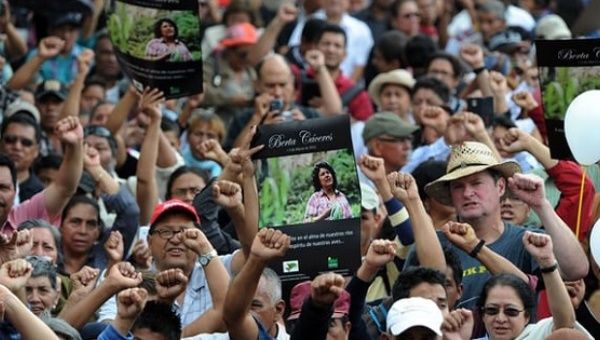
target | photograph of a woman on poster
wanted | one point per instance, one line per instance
(326, 203)
(166, 46)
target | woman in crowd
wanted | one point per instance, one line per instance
(202, 127)
(43, 287)
(185, 183)
(326, 203)
(166, 46)
(390, 91)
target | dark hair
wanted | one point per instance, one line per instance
(437, 86)
(521, 287)
(159, 317)
(453, 262)
(23, 118)
(397, 4)
(100, 103)
(167, 125)
(418, 51)
(428, 172)
(391, 45)
(7, 162)
(335, 29)
(42, 267)
(182, 170)
(503, 121)
(414, 276)
(93, 81)
(52, 161)
(158, 24)
(315, 175)
(457, 67)
(311, 33)
(101, 131)
(239, 7)
(80, 199)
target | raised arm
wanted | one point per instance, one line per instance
(427, 245)
(121, 111)
(103, 180)
(332, 103)
(569, 253)
(463, 236)
(49, 47)
(64, 186)
(268, 245)
(16, 47)
(130, 303)
(27, 324)
(540, 247)
(266, 42)
(472, 54)
(72, 103)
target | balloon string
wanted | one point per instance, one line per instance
(580, 202)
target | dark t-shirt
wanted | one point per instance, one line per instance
(587, 320)
(475, 274)
(30, 187)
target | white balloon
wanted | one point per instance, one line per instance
(595, 242)
(582, 127)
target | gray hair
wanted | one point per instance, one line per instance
(43, 267)
(62, 328)
(42, 224)
(495, 7)
(272, 285)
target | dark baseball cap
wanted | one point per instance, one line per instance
(51, 87)
(388, 124)
(69, 18)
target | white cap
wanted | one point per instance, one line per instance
(414, 312)
(369, 199)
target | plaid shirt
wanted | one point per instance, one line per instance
(319, 203)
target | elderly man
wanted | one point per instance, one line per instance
(474, 184)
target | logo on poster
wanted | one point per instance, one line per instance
(291, 266)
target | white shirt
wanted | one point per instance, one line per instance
(515, 16)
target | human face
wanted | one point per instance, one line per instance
(502, 326)
(381, 64)
(80, 229)
(101, 114)
(408, 19)
(442, 70)
(43, 243)
(106, 60)
(333, 47)
(187, 186)
(101, 144)
(514, 210)
(199, 133)
(394, 151)
(425, 97)
(335, 8)
(173, 139)
(498, 134)
(68, 33)
(50, 107)
(266, 310)
(489, 24)
(325, 179)
(276, 80)
(20, 145)
(237, 57)
(40, 294)
(7, 193)
(338, 330)
(428, 11)
(47, 176)
(172, 253)
(477, 196)
(453, 288)
(433, 292)
(92, 95)
(147, 334)
(395, 98)
(167, 30)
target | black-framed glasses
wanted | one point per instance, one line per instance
(508, 311)
(167, 234)
(11, 139)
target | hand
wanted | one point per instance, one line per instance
(24, 243)
(5, 20)
(150, 103)
(315, 59)
(461, 235)
(141, 255)
(84, 61)
(540, 247)
(515, 140)
(241, 161)
(69, 130)
(261, 105)
(528, 188)
(50, 47)
(114, 247)
(297, 115)
(227, 194)
(434, 117)
(91, 157)
(195, 240)
(498, 84)
(8, 247)
(84, 280)
(287, 13)
(211, 149)
(170, 284)
(403, 186)
(373, 168)
(458, 325)
(474, 125)
(195, 100)
(380, 253)
(123, 275)
(14, 274)
(525, 100)
(131, 302)
(269, 244)
(326, 288)
(472, 54)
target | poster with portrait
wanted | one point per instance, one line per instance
(567, 68)
(308, 188)
(158, 44)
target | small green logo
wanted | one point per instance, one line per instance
(174, 89)
(333, 262)
(291, 266)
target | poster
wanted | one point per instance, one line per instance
(291, 173)
(158, 43)
(567, 68)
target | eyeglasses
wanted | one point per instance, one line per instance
(411, 15)
(395, 140)
(97, 130)
(10, 139)
(184, 191)
(167, 234)
(508, 311)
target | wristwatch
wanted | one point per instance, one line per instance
(204, 259)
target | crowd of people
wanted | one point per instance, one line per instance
(127, 216)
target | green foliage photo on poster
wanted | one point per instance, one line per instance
(131, 28)
(560, 85)
(286, 185)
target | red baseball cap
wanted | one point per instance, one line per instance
(239, 34)
(301, 291)
(170, 206)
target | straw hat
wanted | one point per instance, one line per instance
(397, 77)
(465, 160)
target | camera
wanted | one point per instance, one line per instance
(276, 105)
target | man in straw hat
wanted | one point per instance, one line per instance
(474, 184)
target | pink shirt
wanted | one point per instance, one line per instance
(33, 208)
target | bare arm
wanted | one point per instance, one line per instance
(29, 326)
(71, 104)
(119, 115)
(332, 103)
(91, 22)
(16, 47)
(265, 43)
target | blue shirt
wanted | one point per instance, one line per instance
(62, 67)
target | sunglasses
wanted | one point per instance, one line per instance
(509, 311)
(10, 139)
